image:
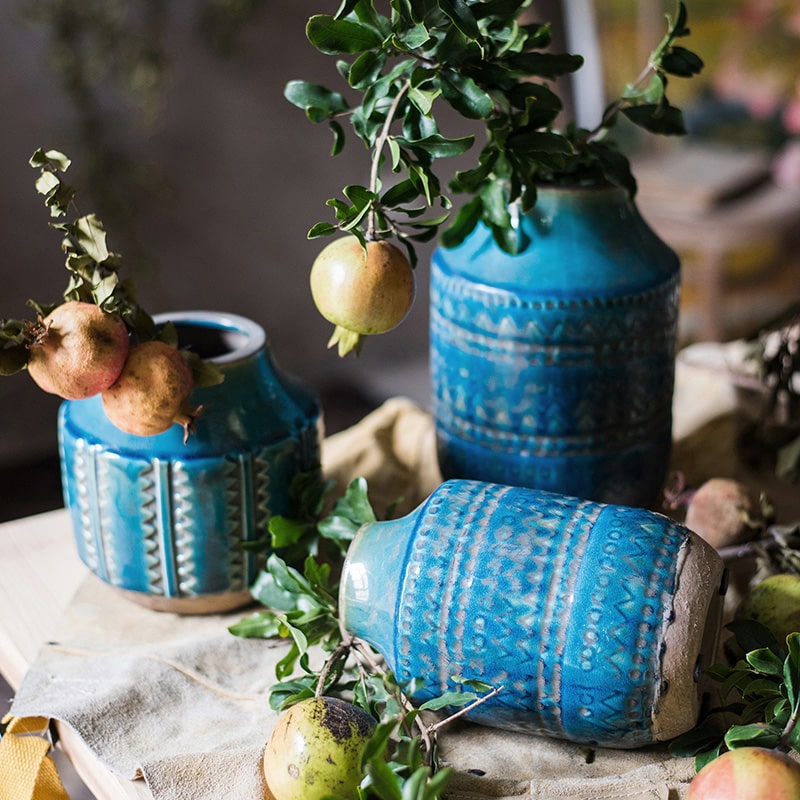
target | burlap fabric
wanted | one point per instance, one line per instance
(182, 704)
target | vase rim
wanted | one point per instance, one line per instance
(252, 336)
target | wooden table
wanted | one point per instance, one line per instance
(708, 204)
(40, 574)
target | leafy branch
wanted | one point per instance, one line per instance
(765, 686)
(301, 604)
(93, 270)
(491, 67)
(93, 277)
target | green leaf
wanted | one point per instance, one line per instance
(413, 37)
(366, 69)
(697, 740)
(258, 625)
(465, 96)
(765, 661)
(267, 591)
(422, 99)
(652, 92)
(355, 503)
(751, 635)
(285, 532)
(464, 223)
(385, 782)
(755, 735)
(545, 65)
(318, 102)
(707, 757)
(400, 194)
(454, 699)
(460, 14)
(658, 118)
(321, 229)
(494, 199)
(378, 742)
(531, 142)
(681, 62)
(331, 36)
(437, 784)
(438, 146)
(791, 670)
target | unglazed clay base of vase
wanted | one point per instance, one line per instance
(690, 638)
(201, 605)
(594, 619)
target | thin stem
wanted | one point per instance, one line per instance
(365, 653)
(783, 742)
(341, 650)
(465, 710)
(378, 149)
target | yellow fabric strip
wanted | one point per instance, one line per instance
(27, 772)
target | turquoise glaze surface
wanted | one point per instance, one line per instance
(167, 519)
(563, 602)
(554, 368)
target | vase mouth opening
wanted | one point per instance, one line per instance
(214, 336)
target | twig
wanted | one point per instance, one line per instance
(465, 710)
(376, 158)
(343, 649)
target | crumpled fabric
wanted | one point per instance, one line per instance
(182, 704)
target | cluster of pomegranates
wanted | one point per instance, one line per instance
(79, 350)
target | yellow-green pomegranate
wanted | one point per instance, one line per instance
(775, 603)
(315, 749)
(361, 291)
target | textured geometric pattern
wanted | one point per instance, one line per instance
(175, 528)
(562, 602)
(555, 393)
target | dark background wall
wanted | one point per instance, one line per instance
(230, 177)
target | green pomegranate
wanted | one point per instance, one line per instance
(361, 291)
(775, 603)
(315, 749)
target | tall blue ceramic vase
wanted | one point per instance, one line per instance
(595, 621)
(554, 368)
(166, 521)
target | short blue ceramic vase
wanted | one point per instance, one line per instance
(166, 521)
(596, 620)
(554, 368)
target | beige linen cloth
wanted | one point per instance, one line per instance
(182, 704)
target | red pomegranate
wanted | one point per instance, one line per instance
(77, 350)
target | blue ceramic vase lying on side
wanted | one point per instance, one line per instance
(554, 368)
(166, 521)
(596, 620)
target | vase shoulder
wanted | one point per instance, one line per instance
(573, 244)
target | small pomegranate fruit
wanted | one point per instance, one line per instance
(315, 750)
(775, 603)
(77, 350)
(747, 773)
(361, 291)
(725, 512)
(152, 392)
